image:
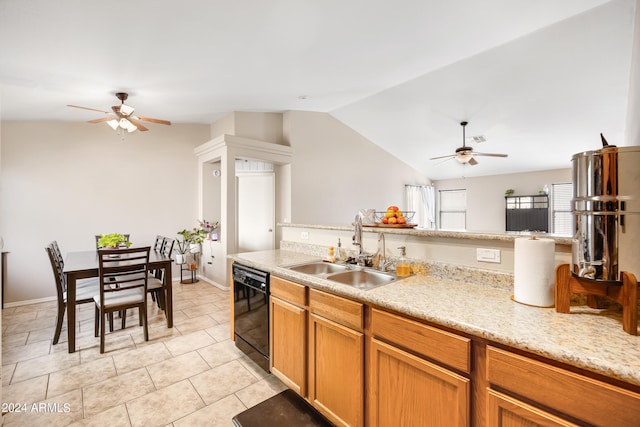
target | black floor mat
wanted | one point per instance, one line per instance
(283, 409)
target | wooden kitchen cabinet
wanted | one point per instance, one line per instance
(336, 358)
(549, 389)
(506, 411)
(407, 389)
(288, 334)
(317, 349)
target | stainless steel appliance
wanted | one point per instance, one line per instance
(606, 208)
(251, 313)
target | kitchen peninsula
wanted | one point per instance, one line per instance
(510, 358)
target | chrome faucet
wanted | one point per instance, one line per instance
(357, 235)
(382, 261)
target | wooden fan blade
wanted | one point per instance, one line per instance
(87, 108)
(491, 154)
(472, 162)
(137, 124)
(152, 120)
(104, 119)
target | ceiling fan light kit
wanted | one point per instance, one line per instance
(465, 155)
(123, 121)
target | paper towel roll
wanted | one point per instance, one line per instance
(534, 271)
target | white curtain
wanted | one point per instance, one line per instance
(421, 199)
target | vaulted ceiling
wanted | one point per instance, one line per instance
(538, 79)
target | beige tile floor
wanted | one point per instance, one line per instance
(190, 375)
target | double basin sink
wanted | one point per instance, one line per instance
(346, 274)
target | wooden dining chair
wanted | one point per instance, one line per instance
(156, 282)
(123, 285)
(85, 291)
(157, 245)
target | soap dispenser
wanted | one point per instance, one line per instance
(403, 269)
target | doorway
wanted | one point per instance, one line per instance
(256, 211)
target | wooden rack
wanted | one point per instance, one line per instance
(625, 293)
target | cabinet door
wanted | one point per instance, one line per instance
(289, 344)
(336, 371)
(505, 411)
(405, 390)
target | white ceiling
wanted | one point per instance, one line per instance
(539, 79)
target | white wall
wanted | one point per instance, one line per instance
(485, 195)
(336, 171)
(632, 125)
(69, 181)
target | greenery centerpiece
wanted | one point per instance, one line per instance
(113, 240)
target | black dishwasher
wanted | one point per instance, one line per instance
(251, 313)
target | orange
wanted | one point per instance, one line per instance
(401, 220)
(393, 220)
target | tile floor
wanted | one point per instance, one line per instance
(190, 375)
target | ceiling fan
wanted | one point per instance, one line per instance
(122, 117)
(464, 154)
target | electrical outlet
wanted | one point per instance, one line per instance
(304, 235)
(488, 255)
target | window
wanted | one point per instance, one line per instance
(561, 215)
(421, 199)
(453, 209)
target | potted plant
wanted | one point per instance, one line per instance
(181, 249)
(208, 229)
(113, 240)
(193, 239)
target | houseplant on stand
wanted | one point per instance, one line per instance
(181, 249)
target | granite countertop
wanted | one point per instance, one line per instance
(420, 232)
(585, 338)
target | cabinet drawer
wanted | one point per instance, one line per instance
(507, 411)
(288, 291)
(581, 397)
(338, 309)
(445, 347)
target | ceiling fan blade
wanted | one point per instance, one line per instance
(104, 119)
(449, 156)
(152, 120)
(491, 154)
(137, 124)
(87, 108)
(472, 162)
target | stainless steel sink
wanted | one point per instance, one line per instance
(318, 268)
(345, 274)
(362, 279)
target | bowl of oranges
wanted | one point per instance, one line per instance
(394, 217)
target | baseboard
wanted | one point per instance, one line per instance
(216, 284)
(27, 302)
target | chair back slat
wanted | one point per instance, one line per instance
(123, 268)
(167, 246)
(158, 244)
(56, 267)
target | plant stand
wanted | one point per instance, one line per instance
(191, 276)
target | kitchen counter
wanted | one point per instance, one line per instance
(586, 338)
(419, 232)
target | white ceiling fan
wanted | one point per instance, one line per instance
(122, 117)
(464, 154)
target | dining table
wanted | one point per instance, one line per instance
(84, 264)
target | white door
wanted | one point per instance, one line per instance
(256, 211)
